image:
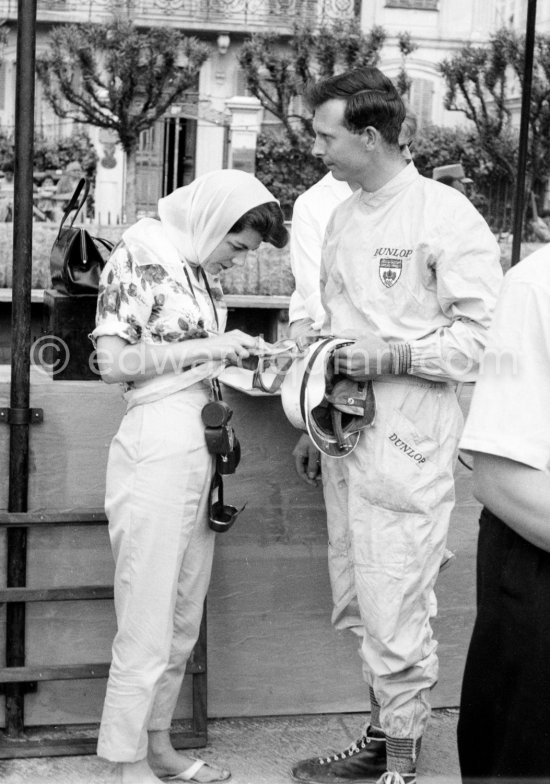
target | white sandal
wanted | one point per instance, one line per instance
(189, 773)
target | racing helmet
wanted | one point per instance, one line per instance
(332, 409)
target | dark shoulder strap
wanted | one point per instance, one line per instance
(209, 290)
(76, 202)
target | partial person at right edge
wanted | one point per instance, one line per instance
(504, 724)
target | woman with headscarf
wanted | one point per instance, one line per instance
(160, 331)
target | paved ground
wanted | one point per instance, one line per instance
(258, 751)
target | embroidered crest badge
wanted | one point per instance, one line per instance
(389, 271)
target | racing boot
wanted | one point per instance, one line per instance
(363, 763)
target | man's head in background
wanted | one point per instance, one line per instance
(452, 174)
(407, 134)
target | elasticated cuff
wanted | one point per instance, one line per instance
(402, 754)
(400, 358)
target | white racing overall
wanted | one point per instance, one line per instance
(412, 262)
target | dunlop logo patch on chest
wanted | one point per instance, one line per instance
(390, 264)
(389, 271)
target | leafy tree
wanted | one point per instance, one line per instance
(482, 80)
(406, 47)
(56, 154)
(119, 77)
(436, 146)
(492, 188)
(287, 169)
(7, 149)
(513, 47)
(276, 73)
(53, 154)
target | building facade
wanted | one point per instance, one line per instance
(217, 125)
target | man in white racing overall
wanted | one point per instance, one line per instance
(410, 271)
(310, 216)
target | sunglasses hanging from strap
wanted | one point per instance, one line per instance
(221, 516)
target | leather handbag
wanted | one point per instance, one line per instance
(77, 258)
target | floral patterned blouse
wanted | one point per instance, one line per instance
(158, 304)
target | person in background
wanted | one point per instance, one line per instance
(44, 200)
(504, 722)
(160, 332)
(68, 181)
(410, 273)
(65, 187)
(6, 194)
(452, 174)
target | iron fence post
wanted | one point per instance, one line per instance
(20, 349)
(519, 195)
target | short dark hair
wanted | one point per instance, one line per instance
(371, 99)
(268, 220)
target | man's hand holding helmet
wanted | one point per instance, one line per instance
(370, 357)
(307, 460)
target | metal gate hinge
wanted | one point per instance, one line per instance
(21, 416)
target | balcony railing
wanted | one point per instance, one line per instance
(231, 15)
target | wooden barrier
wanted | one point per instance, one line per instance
(60, 434)
(271, 647)
(30, 676)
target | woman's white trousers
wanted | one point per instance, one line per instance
(158, 480)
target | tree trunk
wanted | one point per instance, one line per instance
(131, 180)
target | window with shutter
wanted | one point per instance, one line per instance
(421, 100)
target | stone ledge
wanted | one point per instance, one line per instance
(266, 271)
(263, 301)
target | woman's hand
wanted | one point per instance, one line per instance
(231, 346)
(119, 360)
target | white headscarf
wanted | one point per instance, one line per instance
(195, 219)
(198, 216)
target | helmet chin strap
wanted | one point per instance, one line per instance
(342, 437)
